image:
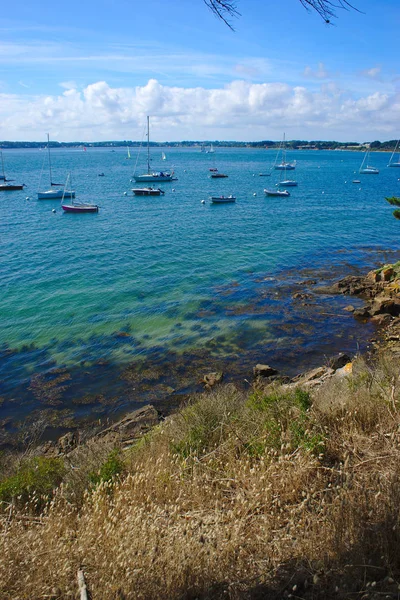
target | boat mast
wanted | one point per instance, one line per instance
(48, 150)
(148, 145)
(2, 165)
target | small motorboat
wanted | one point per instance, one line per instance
(276, 193)
(222, 199)
(213, 170)
(80, 207)
(218, 175)
(101, 174)
(148, 191)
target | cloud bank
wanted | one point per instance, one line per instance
(240, 110)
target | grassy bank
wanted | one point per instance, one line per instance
(280, 492)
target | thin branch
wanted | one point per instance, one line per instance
(223, 9)
(326, 9)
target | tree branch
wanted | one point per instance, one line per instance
(226, 9)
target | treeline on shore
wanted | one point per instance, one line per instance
(292, 144)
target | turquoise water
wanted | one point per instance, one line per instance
(157, 277)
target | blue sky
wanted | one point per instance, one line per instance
(92, 71)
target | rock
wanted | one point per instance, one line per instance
(67, 442)
(314, 377)
(383, 305)
(301, 296)
(362, 313)
(135, 424)
(349, 308)
(387, 274)
(339, 361)
(380, 320)
(264, 371)
(212, 379)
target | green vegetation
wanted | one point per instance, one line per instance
(269, 493)
(112, 468)
(394, 201)
(33, 482)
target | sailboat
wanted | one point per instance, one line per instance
(163, 156)
(394, 163)
(284, 165)
(53, 194)
(211, 150)
(151, 176)
(76, 207)
(367, 170)
(129, 154)
(8, 187)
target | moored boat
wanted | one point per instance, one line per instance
(8, 187)
(288, 183)
(153, 176)
(75, 206)
(393, 162)
(80, 207)
(367, 170)
(148, 191)
(222, 199)
(52, 193)
(218, 175)
(11, 187)
(276, 193)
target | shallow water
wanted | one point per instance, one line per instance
(170, 280)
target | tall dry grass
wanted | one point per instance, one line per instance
(263, 495)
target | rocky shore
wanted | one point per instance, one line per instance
(380, 291)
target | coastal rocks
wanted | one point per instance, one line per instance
(212, 379)
(133, 425)
(264, 371)
(313, 378)
(339, 361)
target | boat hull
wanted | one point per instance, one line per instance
(369, 171)
(222, 199)
(80, 208)
(9, 187)
(148, 191)
(279, 193)
(285, 167)
(288, 183)
(55, 195)
(218, 175)
(153, 177)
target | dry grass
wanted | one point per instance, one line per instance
(257, 496)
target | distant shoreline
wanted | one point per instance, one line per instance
(387, 146)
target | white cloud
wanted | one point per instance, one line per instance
(320, 73)
(373, 73)
(239, 110)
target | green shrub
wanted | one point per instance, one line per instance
(110, 469)
(36, 477)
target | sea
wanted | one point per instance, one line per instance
(102, 313)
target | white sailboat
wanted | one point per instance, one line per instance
(128, 157)
(392, 161)
(54, 194)
(152, 176)
(367, 169)
(284, 165)
(163, 156)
